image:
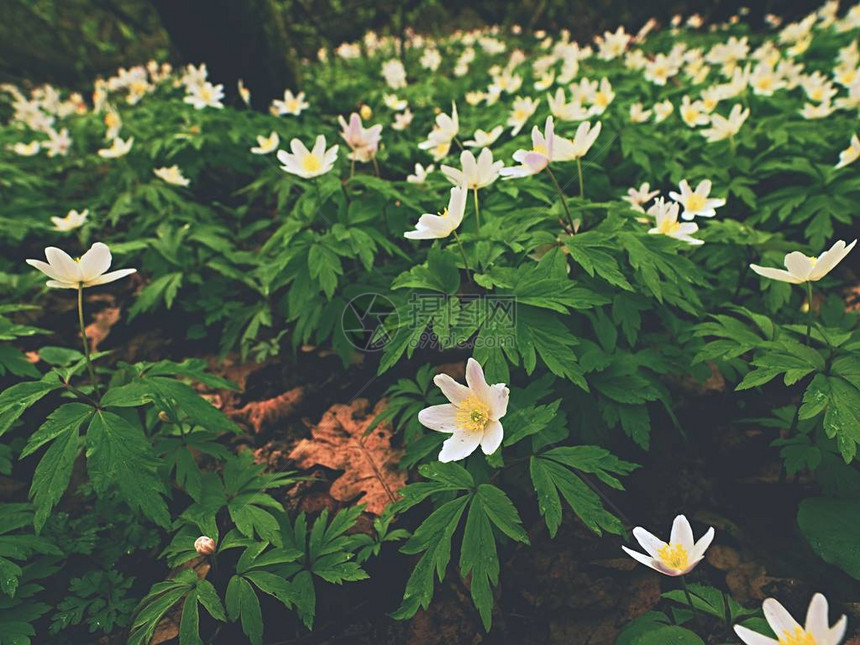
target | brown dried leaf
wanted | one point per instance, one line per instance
(99, 329)
(369, 462)
(259, 413)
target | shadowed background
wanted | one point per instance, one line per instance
(70, 42)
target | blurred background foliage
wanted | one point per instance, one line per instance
(70, 42)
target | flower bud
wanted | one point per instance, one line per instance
(162, 416)
(204, 545)
(366, 112)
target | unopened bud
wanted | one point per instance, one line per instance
(204, 545)
(162, 416)
(365, 112)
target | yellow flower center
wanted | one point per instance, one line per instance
(696, 202)
(799, 637)
(540, 149)
(601, 99)
(473, 414)
(817, 94)
(205, 93)
(292, 105)
(765, 82)
(311, 164)
(690, 115)
(667, 226)
(520, 115)
(675, 557)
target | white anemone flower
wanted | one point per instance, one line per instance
(27, 149)
(697, 202)
(266, 145)
(205, 95)
(679, 556)
(534, 160)
(803, 268)
(578, 147)
(305, 163)
(666, 223)
(172, 175)
(816, 631)
(87, 271)
(291, 104)
(483, 139)
(850, 154)
(522, 111)
(420, 174)
(71, 221)
(118, 148)
(431, 227)
(472, 417)
(475, 174)
(637, 197)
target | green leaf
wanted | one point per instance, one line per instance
(830, 527)
(119, 454)
(478, 556)
(15, 400)
(243, 603)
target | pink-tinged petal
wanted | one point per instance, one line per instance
(702, 545)
(95, 261)
(682, 533)
(749, 637)
(492, 439)
(535, 161)
(459, 446)
(63, 264)
(798, 264)
(778, 618)
(109, 277)
(817, 621)
(649, 541)
(476, 380)
(499, 395)
(775, 274)
(442, 418)
(455, 392)
(642, 558)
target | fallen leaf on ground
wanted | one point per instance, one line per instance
(260, 413)
(99, 329)
(369, 462)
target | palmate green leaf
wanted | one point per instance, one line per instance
(15, 400)
(439, 274)
(160, 599)
(162, 289)
(542, 334)
(54, 471)
(242, 603)
(553, 472)
(478, 557)
(119, 454)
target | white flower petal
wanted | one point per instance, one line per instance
(95, 261)
(442, 418)
(778, 618)
(749, 637)
(817, 622)
(649, 541)
(492, 439)
(109, 277)
(641, 557)
(459, 446)
(455, 392)
(682, 533)
(66, 268)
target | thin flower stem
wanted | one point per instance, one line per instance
(477, 212)
(811, 310)
(563, 200)
(90, 369)
(463, 254)
(581, 183)
(459, 143)
(690, 601)
(375, 166)
(352, 169)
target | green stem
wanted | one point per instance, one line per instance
(90, 369)
(463, 254)
(477, 212)
(581, 183)
(690, 601)
(375, 166)
(563, 200)
(811, 311)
